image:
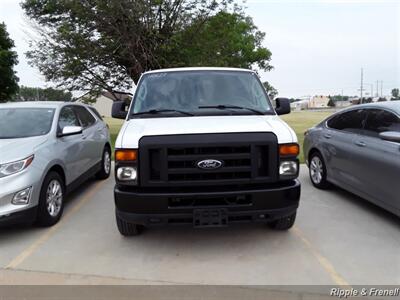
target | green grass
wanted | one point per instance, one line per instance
(299, 121)
(303, 120)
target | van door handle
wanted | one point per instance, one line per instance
(327, 135)
(360, 144)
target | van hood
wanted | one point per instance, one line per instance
(16, 149)
(134, 129)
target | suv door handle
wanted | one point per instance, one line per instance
(327, 135)
(360, 144)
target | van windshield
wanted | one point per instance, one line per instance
(200, 93)
(25, 122)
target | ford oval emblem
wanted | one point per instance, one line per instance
(209, 164)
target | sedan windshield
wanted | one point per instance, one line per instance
(200, 93)
(25, 122)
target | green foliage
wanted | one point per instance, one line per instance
(272, 92)
(8, 59)
(38, 94)
(339, 98)
(106, 44)
(395, 94)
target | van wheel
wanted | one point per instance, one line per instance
(128, 229)
(51, 200)
(105, 170)
(317, 171)
(284, 223)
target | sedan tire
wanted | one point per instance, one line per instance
(317, 171)
(51, 201)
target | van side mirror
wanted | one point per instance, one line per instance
(119, 110)
(282, 106)
(392, 136)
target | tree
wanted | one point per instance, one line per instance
(8, 59)
(38, 94)
(331, 102)
(395, 94)
(272, 92)
(106, 44)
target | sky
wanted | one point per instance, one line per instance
(318, 46)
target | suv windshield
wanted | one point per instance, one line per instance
(200, 93)
(25, 122)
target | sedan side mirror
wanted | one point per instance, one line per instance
(392, 136)
(119, 110)
(282, 106)
(71, 130)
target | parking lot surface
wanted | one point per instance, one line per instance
(338, 239)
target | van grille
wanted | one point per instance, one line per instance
(174, 160)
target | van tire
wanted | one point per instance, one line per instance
(284, 223)
(128, 229)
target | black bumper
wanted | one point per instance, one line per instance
(27, 216)
(240, 205)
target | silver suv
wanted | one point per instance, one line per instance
(46, 150)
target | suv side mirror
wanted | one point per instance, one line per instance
(282, 106)
(392, 136)
(119, 110)
(70, 130)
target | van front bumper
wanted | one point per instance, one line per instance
(261, 204)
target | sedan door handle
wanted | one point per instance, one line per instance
(84, 137)
(360, 144)
(327, 135)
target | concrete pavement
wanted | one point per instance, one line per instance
(338, 239)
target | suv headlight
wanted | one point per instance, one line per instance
(15, 167)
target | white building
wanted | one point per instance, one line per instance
(105, 100)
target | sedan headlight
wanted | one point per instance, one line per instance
(15, 167)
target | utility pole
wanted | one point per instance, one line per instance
(377, 88)
(381, 88)
(362, 86)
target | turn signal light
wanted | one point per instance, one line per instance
(126, 155)
(289, 150)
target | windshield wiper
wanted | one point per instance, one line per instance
(233, 106)
(157, 111)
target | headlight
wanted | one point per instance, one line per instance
(15, 167)
(288, 168)
(126, 173)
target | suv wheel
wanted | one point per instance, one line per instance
(128, 229)
(105, 170)
(51, 200)
(284, 223)
(317, 171)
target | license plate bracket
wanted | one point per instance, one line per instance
(210, 217)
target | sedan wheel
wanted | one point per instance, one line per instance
(105, 170)
(318, 171)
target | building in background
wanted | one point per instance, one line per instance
(318, 102)
(105, 100)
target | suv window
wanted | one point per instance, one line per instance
(67, 118)
(93, 110)
(84, 116)
(380, 120)
(351, 121)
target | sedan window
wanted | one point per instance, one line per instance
(380, 120)
(350, 121)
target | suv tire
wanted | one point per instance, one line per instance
(284, 223)
(105, 170)
(51, 200)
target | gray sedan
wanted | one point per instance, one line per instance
(46, 150)
(358, 149)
